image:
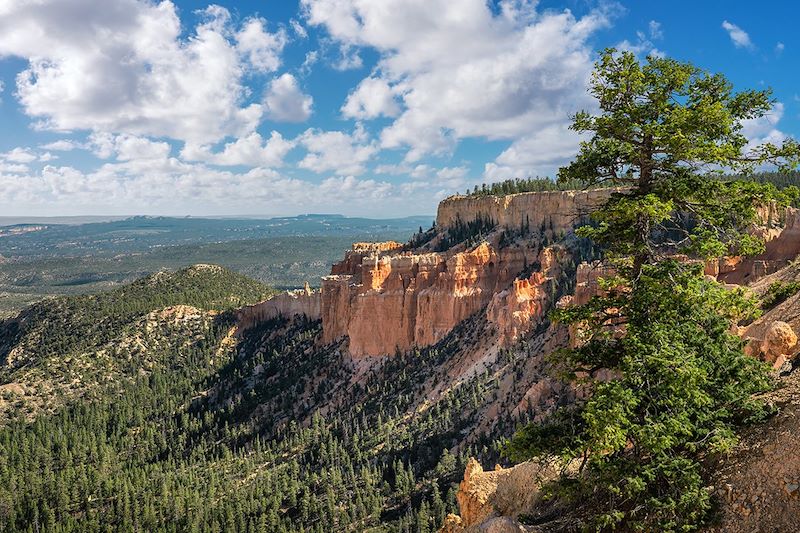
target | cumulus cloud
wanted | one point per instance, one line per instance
(285, 102)
(13, 168)
(262, 48)
(336, 151)
(62, 145)
(504, 75)
(536, 154)
(450, 177)
(371, 99)
(350, 186)
(19, 155)
(137, 186)
(251, 150)
(765, 129)
(127, 67)
(738, 36)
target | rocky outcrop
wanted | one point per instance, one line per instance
(385, 298)
(556, 211)
(393, 302)
(300, 302)
(514, 311)
(782, 236)
(491, 501)
(351, 264)
(777, 346)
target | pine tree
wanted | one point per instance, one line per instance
(682, 381)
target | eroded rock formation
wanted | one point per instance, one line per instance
(556, 211)
(396, 301)
(517, 309)
(492, 500)
(782, 236)
(385, 298)
(300, 302)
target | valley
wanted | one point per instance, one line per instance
(204, 400)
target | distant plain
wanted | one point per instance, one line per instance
(42, 257)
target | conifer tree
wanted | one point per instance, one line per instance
(665, 133)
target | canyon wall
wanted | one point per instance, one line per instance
(385, 298)
(559, 210)
(517, 309)
(301, 302)
(392, 302)
(782, 245)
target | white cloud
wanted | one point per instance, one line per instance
(350, 187)
(62, 145)
(656, 33)
(764, 129)
(124, 147)
(285, 102)
(451, 177)
(371, 99)
(132, 148)
(298, 29)
(644, 42)
(251, 150)
(167, 185)
(348, 58)
(739, 37)
(643, 45)
(779, 48)
(126, 67)
(19, 155)
(538, 154)
(14, 168)
(504, 76)
(263, 49)
(427, 176)
(311, 57)
(336, 151)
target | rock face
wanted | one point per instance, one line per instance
(491, 501)
(385, 298)
(556, 211)
(517, 309)
(392, 302)
(301, 302)
(782, 245)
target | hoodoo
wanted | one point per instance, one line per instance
(497, 254)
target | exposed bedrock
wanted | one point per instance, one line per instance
(301, 302)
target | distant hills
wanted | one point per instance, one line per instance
(74, 258)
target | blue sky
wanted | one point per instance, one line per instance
(362, 107)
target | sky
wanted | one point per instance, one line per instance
(375, 108)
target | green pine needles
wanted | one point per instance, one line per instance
(676, 383)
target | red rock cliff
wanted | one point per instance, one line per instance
(385, 299)
(391, 302)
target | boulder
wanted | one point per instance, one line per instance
(491, 501)
(778, 344)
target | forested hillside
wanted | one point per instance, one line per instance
(185, 428)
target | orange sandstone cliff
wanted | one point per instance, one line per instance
(385, 298)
